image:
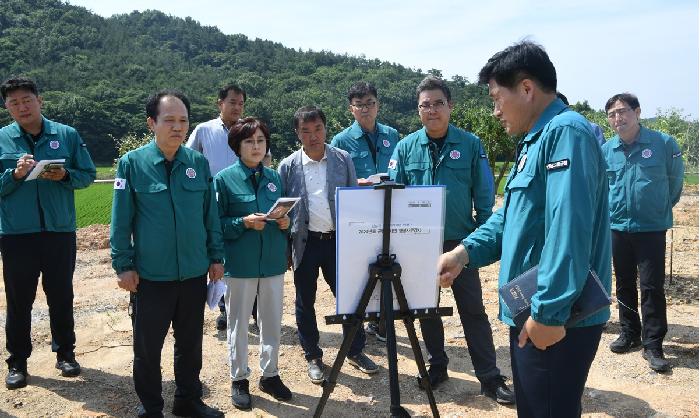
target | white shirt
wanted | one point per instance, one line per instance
(320, 219)
(211, 139)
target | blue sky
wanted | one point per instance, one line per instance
(599, 47)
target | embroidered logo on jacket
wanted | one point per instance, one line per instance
(271, 187)
(386, 143)
(191, 173)
(646, 153)
(454, 154)
(54, 144)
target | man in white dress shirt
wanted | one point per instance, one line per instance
(313, 173)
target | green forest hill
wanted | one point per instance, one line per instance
(95, 74)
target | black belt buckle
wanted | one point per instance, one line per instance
(323, 236)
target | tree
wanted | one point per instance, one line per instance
(498, 145)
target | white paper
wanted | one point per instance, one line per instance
(417, 222)
(377, 178)
(215, 290)
(281, 207)
(39, 168)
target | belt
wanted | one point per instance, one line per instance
(322, 235)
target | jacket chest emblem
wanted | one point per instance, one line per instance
(646, 153)
(191, 173)
(54, 144)
(271, 187)
(454, 154)
(386, 143)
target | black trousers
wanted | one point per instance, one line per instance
(477, 330)
(549, 383)
(643, 252)
(25, 256)
(159, 304)
(318, 254)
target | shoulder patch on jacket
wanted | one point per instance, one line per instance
(557, 165)
(678, 154)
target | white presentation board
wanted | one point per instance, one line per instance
(417, 223)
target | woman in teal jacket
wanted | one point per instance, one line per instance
(255, 258)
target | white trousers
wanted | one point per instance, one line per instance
(239, 297)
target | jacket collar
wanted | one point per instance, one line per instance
(48, 128)
(643, 137)
(553, 109)
(356, 130)
(452, 136)
(158, 156)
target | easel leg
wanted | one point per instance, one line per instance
(415, 345)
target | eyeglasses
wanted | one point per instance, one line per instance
(363, 106)
(618, 112)
(426, 107)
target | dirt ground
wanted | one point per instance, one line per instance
(618, 385)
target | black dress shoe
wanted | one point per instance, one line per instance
(625, 343)
(142, 413)
(436, 374)
(275, 387)
(656, 359)
(68, 367)
(195, 408)
(16, 378)
(240, 394)
(497, 390)
(315, 370)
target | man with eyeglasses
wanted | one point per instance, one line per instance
(441, 153)
(370, 145)
(645, 175)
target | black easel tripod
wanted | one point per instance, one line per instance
(388, 271)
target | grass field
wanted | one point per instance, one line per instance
(94, 204)
(105, 172)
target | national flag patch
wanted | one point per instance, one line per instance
(392, 164)
(556, 165)
(119, 184)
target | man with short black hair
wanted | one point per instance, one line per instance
(370, 145)
(555, 218)
(442, 154)
(645, 174)
(37, 225)
(211, 139)
(313, 173)
(166, 238)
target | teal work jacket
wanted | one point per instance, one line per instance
(42, 205)
(644, 185)
(250, 253)
(354, 140)
(555, 214)
(462, 168)
(165, 228)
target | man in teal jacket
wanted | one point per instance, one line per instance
(645, 175)
(165, 238)
(370, 145)
(441, 153)
(37, 225)
(555, 215)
